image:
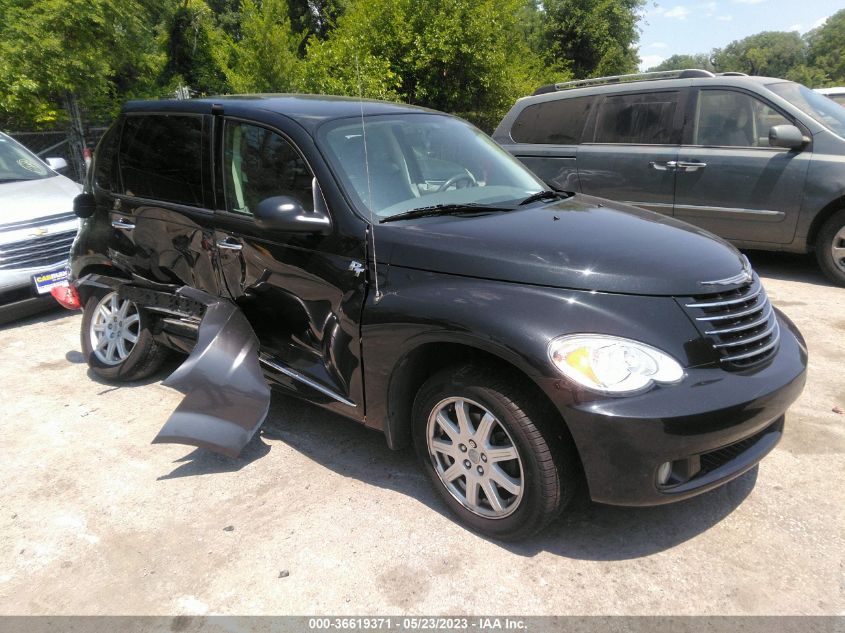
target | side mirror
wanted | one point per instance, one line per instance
(787, 136)
(84, 205)
(284, 213)
(56, 164)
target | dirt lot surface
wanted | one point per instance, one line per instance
(319, 517)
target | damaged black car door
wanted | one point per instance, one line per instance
(299, 282)
(161, 215)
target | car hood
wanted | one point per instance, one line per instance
(581, 242)
(32, 199)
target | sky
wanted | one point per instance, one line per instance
(673, 27)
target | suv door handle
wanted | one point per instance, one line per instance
(670, 165)
(690, 166)
(122, 224)
(229, 244)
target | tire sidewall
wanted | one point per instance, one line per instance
(531, 504)
(126, 370)
(830, 228)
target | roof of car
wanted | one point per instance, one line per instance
(644, 82)
(307, 110)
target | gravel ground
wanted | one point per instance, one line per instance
(319, 517)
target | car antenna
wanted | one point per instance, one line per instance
(371, 228)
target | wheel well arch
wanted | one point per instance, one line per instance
(85, 291)
(822, 217)
(416, 366)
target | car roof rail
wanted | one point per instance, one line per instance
(732, 73)
(687, 73)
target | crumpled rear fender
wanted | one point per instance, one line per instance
(226, 394)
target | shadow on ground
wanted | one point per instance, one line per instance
(788, 267)
(587, 531)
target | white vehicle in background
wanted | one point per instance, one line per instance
(37, 227)
(837, 94)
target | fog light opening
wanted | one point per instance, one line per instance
(664, 472)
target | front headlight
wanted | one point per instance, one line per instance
(611, 364)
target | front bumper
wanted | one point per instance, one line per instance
(714, 426)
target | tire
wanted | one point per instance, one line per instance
(545, 467)
(135, 359)
(832, 236)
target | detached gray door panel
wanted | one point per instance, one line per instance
(729, 181)
(630, 146)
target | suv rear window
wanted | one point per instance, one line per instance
(161, 158)
(641, 119)
(558, 122)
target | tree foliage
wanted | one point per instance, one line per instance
(817, 59)
(265, 56)
(470, 57)
(826, 50)
(682, 62)
(452, 55)
(592, 37)
(770, 53)
(96, 50)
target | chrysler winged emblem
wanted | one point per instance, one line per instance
(742, 278)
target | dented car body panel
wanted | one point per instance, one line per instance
(226, 395)
(356, 315)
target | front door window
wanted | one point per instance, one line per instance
(734, 119)
(258, 164)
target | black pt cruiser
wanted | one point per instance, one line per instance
(394, 265)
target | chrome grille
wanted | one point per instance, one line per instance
(36, 251)
(43, 221)
(740, 324)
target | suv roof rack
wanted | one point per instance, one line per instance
(732, 73)
(687, 73)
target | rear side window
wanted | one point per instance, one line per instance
(558, 122)
(641, 119)
(161, 158)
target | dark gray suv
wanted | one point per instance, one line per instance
(756, 160)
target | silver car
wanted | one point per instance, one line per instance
(37, 226)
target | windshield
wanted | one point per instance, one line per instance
(824, 110)
(422, 160)
(18, 163)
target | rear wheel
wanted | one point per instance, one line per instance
(491, 452)
(116, 339)
(830, 248)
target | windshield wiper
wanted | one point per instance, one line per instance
(545, 194)
(442, 209)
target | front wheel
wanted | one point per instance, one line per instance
(492, 453)
(116, 339)
(830, 248)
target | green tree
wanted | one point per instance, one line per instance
(770, 53)
(592, 37)
(192, 49)
(314, 17)
(265, 58)
(827, 50)
(682, 62)
(462, 56)
(92, 52)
